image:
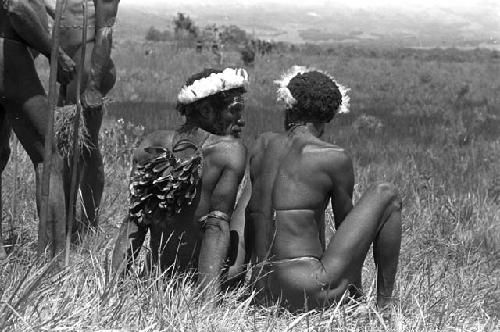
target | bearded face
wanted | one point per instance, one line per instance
(233, 116)
(223, 119)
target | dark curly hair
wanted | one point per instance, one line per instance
(219, 100)
(318, 98)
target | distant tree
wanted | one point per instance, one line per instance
(156, 35)
(183, 25)
(233, 35)
(153, 34)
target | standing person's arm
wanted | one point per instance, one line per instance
(105, 17)
(29, 20)
(215, 228)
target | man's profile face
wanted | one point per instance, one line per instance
(226, 120)
(232, 116)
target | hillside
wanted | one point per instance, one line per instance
(329, 23)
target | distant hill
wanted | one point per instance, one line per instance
(326, 23)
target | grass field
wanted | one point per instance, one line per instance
(431, 127)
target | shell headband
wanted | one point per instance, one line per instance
(214, 83)
(285, 96)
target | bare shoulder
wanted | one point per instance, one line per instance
(227, 151)
(333, 157)
(159, 138)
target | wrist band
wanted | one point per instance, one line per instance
(213, 214)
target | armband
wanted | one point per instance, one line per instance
(213, 214)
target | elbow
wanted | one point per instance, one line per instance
(17, 8)
(20, 8)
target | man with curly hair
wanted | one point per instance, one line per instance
(293, 177)
(184, 182)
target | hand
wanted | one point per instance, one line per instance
(91, 98)
(66, 68)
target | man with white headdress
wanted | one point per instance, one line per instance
(293, 177)
(184, 182)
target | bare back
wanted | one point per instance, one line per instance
(292, 182)
(181, 232)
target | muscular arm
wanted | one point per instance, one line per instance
(105, 12)
(215, 241)
(342, 175)
(29, 20)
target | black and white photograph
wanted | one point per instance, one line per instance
(249, 165)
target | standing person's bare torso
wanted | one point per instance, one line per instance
(72, 25)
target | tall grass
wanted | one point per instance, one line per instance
(432, 128)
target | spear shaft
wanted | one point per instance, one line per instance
(76, 147)
(49, 134)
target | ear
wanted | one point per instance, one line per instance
(205, 109)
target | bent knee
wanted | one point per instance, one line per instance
(388, 192)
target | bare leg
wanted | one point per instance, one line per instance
(27, 109)
(4, 158)
(386, 255)
(92, 178)
(128, 245)
(376, 218)
(92, 184)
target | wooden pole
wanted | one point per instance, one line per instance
(49, 134)
(76, 147)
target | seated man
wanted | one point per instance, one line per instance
(293, 176)
(184, 182)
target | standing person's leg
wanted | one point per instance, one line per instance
(92, 177)
(27, 121)
(4, 158)
(27, 111)
(375, 219)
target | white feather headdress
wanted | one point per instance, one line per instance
(216, 82)
(285, 96)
